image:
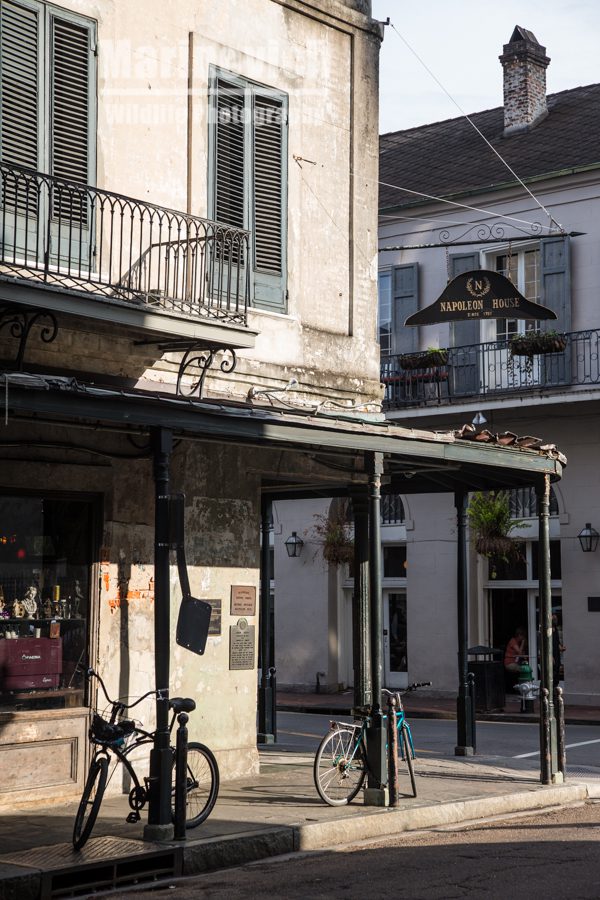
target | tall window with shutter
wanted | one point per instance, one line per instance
(47, 114)
(248, 176)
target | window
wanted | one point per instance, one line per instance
(45, 559)
(392, 509)
(394, 560)
(523, 269)
(248, 176)
(47, 89)
(47, 124)
(524, 505)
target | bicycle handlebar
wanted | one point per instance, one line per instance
(91, 673)
(406, 690)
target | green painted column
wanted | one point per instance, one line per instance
(464, 712)
(361, 634)
(376, 793)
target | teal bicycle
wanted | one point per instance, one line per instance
(341, 764)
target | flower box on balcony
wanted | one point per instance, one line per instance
(537, 342)
(426, 359)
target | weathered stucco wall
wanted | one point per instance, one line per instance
(324, 56)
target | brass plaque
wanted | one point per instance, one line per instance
(241, 645)
(243, 600)
(215, 617)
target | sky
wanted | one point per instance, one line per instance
(461, 41)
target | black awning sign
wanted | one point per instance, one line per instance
(480, 294)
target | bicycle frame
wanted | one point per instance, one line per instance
(361, 737)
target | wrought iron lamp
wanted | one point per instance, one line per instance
(588, 538)
(294, 545)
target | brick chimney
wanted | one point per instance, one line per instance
(524, 62)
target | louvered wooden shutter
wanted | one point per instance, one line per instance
(405, 303)
(268, 226)
(19, 103)
(269, 190)
(230, 155)
(19, 110)
(69, 115)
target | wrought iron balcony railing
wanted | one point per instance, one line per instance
(491, 369)
(90, 241)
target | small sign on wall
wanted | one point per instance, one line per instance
(241, 645)
(243, 600)
(215, 618)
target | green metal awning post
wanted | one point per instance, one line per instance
(160, 826)
(361, 635)
(376, 793)
(465, 723)
(548, 733)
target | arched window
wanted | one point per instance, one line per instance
(392, 509)
(524, 505)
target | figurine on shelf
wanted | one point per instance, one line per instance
(77, 600)
(47, 608)
(18, 610)
(30, 603)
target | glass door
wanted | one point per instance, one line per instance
(395, 657)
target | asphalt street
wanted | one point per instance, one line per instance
(437, 737)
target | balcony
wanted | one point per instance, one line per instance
(70, 247)
(490, 370)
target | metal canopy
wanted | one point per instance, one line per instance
(415, 461)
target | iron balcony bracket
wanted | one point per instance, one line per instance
(197, 359)
(20, 322)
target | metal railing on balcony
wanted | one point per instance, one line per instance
(91, 241)
(491, 369)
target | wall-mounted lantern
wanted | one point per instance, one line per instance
(588, 538)
(294, 545)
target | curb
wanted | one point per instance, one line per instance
(238, 849)
(210, 854)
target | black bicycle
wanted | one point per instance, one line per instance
(120, 736)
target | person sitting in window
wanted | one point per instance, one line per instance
(515, 650)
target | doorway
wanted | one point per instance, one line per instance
(395, 656)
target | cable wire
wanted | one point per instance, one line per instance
(478, 130)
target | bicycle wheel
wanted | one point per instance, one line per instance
(202, 784)
(339, 771)
(409, 754)
(91, 799)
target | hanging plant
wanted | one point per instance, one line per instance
(533, 343)
(425, 359)
(334, 535)
(491, 524)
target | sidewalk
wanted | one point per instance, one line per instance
(420, 706)
(278, 812)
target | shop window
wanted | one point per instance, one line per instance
(45, 559)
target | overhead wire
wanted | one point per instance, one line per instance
(478, 130)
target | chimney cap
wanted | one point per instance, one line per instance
(524, 34)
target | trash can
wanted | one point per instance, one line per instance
(488, 669)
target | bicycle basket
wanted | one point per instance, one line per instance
(110, 732)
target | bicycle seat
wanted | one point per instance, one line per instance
(182, 704)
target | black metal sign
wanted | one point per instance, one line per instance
(480, 294)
